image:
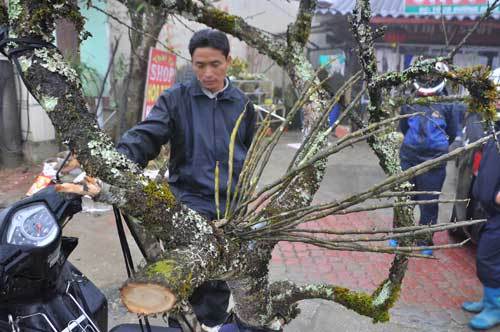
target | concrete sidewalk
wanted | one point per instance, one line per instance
(432, 290)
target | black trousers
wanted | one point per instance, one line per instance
(210, 301)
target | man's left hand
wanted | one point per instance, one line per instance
(88, 186)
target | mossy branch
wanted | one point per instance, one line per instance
(285, 295)
(213, 17)
(57, 88)
(174, 277)
(299, 31)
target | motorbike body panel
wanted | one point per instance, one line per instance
(58, 310)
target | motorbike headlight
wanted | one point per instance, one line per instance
(32, 225)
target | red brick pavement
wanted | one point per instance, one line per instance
(445, 282)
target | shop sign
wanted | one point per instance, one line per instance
(161, 76)
(447, 7)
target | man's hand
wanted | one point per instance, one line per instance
(88, 186)
(82, 185)
(497, 199)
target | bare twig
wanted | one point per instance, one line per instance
(332, 245)
(406, 193)
(344, 142)
(445, 32)
(389, 183)
(170, 49)
(398, 230)
(489, 10)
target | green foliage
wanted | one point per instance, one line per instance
(89, 76)
(239, 71)
(237, 68)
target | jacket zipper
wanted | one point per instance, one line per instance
(216, 166)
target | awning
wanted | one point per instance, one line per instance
(450, 9)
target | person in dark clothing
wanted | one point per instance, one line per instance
(486, 190)
(427, 136)
(197, 118)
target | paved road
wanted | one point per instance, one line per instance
(430, 297)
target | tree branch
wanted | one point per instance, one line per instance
(357, 232)
(298, 32)
(4, 18)
(286, 294)
(231, 24)
(489, 10)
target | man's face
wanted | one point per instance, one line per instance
(210, 66)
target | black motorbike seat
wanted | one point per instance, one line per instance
(137, 328)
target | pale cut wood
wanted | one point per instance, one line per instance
(147, 299)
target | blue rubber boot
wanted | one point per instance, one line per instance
(490, 316)
(427, 252)
(475, 307)
(393, 243)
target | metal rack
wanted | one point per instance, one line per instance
(261, 94)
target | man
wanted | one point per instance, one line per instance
(427, 136)
(197, 118)
(486, 190)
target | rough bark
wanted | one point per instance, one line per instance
(58, 90)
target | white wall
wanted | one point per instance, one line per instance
(35, 123)
(269, 15)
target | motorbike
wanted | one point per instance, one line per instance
(40, 290)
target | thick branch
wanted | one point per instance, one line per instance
(4, 19)
(175, 276)
(231, 24)
(286, 294)
(299, 31)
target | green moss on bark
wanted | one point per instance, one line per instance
(158, 192)
(168, 272)
(364, 304)
(482, 90)
(224, 21)
(39, 18)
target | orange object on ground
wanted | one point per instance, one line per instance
(41, 182)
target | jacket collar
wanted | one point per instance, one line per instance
(230, 92)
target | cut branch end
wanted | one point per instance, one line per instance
(147, 299)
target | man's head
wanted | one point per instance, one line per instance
(209, 49)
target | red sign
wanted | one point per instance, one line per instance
(161, 76)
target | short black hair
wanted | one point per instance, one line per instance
(209, 38)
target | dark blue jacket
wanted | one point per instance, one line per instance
(427, 136)
(198, 129)
(487, 183)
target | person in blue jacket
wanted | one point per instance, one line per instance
(486, 190)
(427, 136)
(197, 118)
